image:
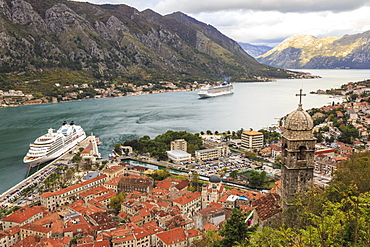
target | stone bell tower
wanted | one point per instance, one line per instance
(298, 149)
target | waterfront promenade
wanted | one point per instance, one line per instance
(14, 194)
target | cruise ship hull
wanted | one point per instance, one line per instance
(203, 95)
(53, 144)
(209, 91)
(41, 160)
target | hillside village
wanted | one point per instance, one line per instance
(91, 91)
(178, 210)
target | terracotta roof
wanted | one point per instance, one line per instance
(252, 133)
(28, 241)
(113, 169)
(23, 214)
(173, 236)
(267, 206)
(12, 231)
(35, 228)
(152, 227)
(209, 226)
(193, 233)
(49, 194)
(182, 185)
(188, 197)
(163, 184)
(210, 210)
(94, 191)
(55, 242)
(114, 181)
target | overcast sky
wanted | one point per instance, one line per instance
(267, 21)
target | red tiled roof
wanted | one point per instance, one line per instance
(163, 184)
(113, 169)
(188, 197)
(210, 210)
(267, 206)
(152, 227)
(35, 228)
(49, 194)
(173, 236)
(193, 233)
(209, 226)
(22, 214)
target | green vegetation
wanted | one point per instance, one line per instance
(158, 146)
(338, 215)
(257, 179)
(116, 201)
(160, 174)
(234, 233)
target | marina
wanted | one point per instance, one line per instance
(17, 194)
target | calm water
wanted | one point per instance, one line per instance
(114, 120)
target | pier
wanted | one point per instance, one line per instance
(17, 190)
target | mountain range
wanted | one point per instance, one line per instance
(88, 41)
(309, 52)
(255, 50)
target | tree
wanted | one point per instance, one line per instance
(116, 201)
(208, 239)
(234, 173)
(160, 174)
(257, 178)
(236, 230)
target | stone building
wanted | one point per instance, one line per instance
(213, 191)
(132, 183)
(298, 147)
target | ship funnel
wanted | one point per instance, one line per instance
(64, 122)
(72, 123)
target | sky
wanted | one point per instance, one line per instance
(266, 22)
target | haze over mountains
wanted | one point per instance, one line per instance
(110, 41)
(309, 52)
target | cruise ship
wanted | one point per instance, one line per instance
(210, 91)
(53, 144)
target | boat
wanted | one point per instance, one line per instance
(214, 91)
(53, 144)
(98, 142)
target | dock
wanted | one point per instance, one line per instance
(43, 173)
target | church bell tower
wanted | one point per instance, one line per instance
(298, 149)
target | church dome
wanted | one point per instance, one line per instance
(214, 179)
(298, 120)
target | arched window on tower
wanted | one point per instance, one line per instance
(302, 153)
(284, 151)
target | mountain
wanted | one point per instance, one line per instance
(115, 42)
(309, 52)
(255, 50)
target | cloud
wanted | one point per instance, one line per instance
(271, 27)
(284, 6)
(267, 21)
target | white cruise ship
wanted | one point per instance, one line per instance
(53, 144)
(209, 91)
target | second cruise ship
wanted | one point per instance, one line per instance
(214, 91)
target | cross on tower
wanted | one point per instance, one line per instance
(300, 96)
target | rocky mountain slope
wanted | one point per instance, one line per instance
(117, 41)
(308, 52)
(255, 50)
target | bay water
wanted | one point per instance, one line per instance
(114, 120)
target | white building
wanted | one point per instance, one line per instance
(178, 156)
